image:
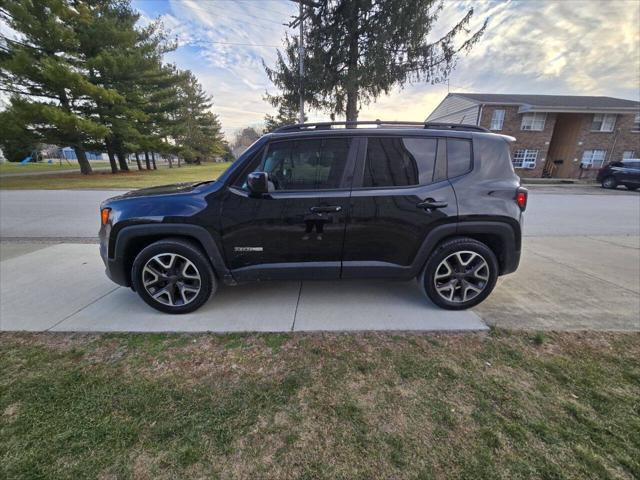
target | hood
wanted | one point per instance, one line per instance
(160, 190)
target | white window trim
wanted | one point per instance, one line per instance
(528, 160)
(632, 155)
(534, 116)
(636, 123)
(588, 158)
(497, 122)
(604, 117)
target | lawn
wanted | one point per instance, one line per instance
(10, 167)
(132, 179)
(498, 405)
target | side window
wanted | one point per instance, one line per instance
(399, 161)
(458, 157)
(317, 164)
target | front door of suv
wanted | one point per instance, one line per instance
(400, 192)
(297, 229)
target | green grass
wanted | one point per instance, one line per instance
(132, 179)
(11, 167)
(503, 405)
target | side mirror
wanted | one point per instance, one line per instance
(258, 183)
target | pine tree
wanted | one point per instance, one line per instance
(197, 130)
(44, 71)
(356, 50)
(122, 57)
(287, 115)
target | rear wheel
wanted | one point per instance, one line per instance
(173, 276)
(632, 187)
(609, 182)
(460, 274)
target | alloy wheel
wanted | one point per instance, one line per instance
(171, 279)
(461, 276)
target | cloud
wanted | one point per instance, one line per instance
(579, 47)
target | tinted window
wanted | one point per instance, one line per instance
(632, 165)
(458, 156)
(399, 162)
(306, 164)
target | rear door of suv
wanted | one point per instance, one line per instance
(400, 192)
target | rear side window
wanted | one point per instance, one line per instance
(458, 156)
(399, 161)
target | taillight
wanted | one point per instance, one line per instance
(104, 215)
(522, 194)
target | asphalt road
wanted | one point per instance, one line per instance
(73, 214)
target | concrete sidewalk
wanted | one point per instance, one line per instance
(563, 283)
(63, 288)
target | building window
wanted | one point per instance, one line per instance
(628, 154)
(593, 158)
(497, 120)
(603, 122)
(525, 159)
(636, 122)
(533, 121)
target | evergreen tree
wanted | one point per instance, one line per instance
(197, 130)
(287, 115)
(356, 50)
(43, 70)
(122, 57)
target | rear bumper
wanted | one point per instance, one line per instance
(510, 262)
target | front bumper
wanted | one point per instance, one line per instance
(114, 268)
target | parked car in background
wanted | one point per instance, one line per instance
(625, 172)
(436, 202)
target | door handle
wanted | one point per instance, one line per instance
(431, 204)
(329, 209)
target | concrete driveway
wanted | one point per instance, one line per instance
(63, 288)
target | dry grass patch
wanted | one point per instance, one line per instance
(503, 405)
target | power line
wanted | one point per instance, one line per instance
(244, 44)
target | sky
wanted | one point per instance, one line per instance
(572, 47)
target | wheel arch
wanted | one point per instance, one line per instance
(132, 239)
(502, 238)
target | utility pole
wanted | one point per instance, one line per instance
(301, 61)
(299, 22)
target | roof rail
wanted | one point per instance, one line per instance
(379, 123)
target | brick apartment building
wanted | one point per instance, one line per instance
(556, 135)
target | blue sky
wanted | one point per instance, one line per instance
(579, 47)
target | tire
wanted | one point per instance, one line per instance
(609, 182)
(633, 188)
(467, 288)
(173, 276)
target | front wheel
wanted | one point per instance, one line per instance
(609, 182)
(460, 274)
(173, 276)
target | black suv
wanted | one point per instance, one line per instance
(626, 172)
(437, 202)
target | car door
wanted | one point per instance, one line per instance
(630, 173)
(400, 193)
(297, 229)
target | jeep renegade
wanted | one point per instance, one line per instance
(398, 200)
